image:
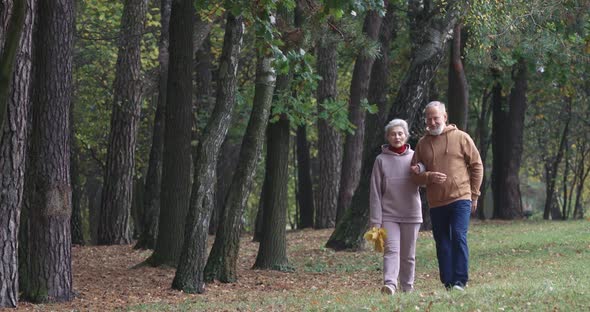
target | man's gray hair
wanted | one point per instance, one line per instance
(397, 123)
(437, 104)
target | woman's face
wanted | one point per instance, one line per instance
(396, 137)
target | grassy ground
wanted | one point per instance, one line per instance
(514, 266)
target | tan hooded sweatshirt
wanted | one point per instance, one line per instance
(454, 154)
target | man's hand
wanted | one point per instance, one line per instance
(438, 177)
(473, 206)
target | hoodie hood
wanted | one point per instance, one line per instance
(445, 133)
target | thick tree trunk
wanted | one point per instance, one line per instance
(189, 275)
(353, 143)
(48, 256)
(329, 140)
(12, 19)
(12, 153)
(508, 129)
(176, 163)
(117, 192)
(153, 181)
(93, 189)
(429, 28)
(223, 258)
(76, 218)
(304, 183)
(272, 253)
(458, 90)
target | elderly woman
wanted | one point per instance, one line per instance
(395, 206)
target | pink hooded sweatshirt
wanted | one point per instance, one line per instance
(393, 194)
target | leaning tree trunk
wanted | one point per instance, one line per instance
(153, 180)
(223, 258)
(117, 195)
(329, 141)
(12, 166)
(507, 148)
(189, 275)
(429, 27)
(48, 258)
(458, 90)
(176, 163)
(353, 143)
(272, 251)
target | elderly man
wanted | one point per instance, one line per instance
(453, 173)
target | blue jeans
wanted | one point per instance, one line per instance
(449, 228)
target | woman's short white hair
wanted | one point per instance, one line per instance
(397, 123)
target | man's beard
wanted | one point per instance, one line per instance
(436, 131)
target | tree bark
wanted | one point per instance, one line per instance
(353, 143)
(176, 162)
(329, 140)
(9, 44)
(48, 256)
(458, 90)
(189, 275)
(508, 129)
(13, 158)
(153, 181)
(304, 183)
(76, 218)
(223, 258)
(483, 132)
(429, 27)
(117, 192)
(272, 252)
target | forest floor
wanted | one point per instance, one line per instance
(105, 280)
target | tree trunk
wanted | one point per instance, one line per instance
(508, 129)
(304, 183)
(117, 188)
(551, 166)
(153, 180)
(189, 275)
(48, 256)
(223, 258)
(76, 218)
(258, 224)
(94, 190)
(226, 167)
(272, 252)
(329, 141)
(458, 90)
(429, 45)
(9, 44)
(13, 155)
(353, 143)
(176, 161)
(483, 132)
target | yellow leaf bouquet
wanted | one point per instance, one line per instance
(377, 236)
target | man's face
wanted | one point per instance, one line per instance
(435, 120)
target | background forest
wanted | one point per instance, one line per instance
(158, 123)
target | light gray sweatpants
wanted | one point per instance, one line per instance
(400, 254)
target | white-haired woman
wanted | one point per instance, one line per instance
(395, 206)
